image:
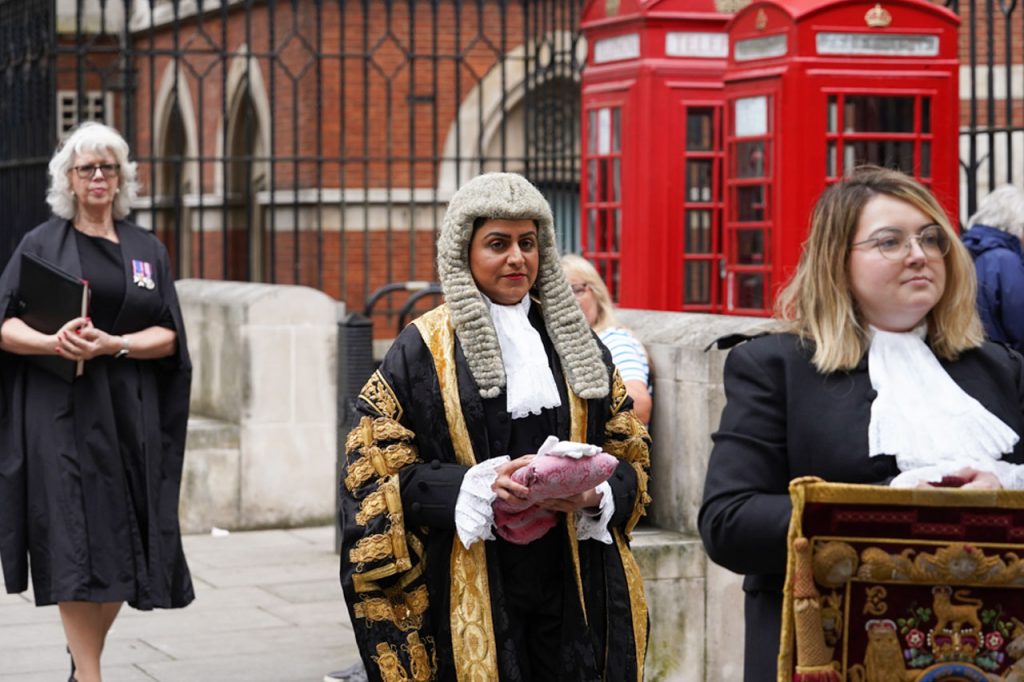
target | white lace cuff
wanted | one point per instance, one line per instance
(596, 527)
(473, 513)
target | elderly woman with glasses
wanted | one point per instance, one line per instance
(628, 353)
(90, 468)
(882, 376)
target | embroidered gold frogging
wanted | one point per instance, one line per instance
(378, 449)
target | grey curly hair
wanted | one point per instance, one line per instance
(509, 196)
(91, 137)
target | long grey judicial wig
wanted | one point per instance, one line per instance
(509, 196)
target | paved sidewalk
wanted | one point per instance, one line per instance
(268, 608)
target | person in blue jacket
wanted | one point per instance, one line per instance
(994, 239)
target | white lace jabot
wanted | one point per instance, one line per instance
(529, 384)
(926, 420)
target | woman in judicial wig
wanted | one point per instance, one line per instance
(463, 399)
(90, 470)
(882, 376)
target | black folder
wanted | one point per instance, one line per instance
(47, 298)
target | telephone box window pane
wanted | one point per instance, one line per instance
(616, 184)
(698, 180)
(926, 114)
(926, 160)
(612, 279)
(750, 203)
(750, 159)
(833, 114)
(616, 218)
(895, 154)
(698, 282)
(749, 290)
(751, 116)
(616, 128)
(872, 114)
(699, 130)
(592, 230)
(698, 231)
(750, 247)
(592, 180)
(830, 160)
(604, 131)
(592, 131)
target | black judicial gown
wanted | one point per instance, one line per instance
(90, 472)
(405, 587)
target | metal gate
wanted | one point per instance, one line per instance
(26, 116)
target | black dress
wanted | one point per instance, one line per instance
(90, 471)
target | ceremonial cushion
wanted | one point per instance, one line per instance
(524, 526)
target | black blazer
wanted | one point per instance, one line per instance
(784, 419)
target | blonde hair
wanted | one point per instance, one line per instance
(818, 302)
(91, 137)
(581, 268)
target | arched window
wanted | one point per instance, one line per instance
(244, 230)
(172, 225)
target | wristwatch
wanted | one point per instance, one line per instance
(124, 348)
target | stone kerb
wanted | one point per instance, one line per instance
(262, 436)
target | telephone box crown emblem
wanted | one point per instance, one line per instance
(878, 17)
(761, 20)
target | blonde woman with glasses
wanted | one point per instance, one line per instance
(628, 353)
(882, 376)
(90, 469)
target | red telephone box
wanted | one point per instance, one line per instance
(652, 149)
(812, 89)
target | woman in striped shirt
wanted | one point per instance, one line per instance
(627, 352)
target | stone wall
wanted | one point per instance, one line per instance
(261, 443)
(696, 607)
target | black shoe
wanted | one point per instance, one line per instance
(353, 673)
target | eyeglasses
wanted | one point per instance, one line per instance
(87, 171)
(895, 244)
(580, 289)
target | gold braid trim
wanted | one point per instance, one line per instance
(637, 601)
(391, 669)
(404, 609)
(364, 582)
(371, 548)
(372, 506)
(619, 394)
(422, 663)
(392, 543)
(379, 395)
(578, 409)
(371, 431)
(626, 437)
(474, 650)
(380, 461)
